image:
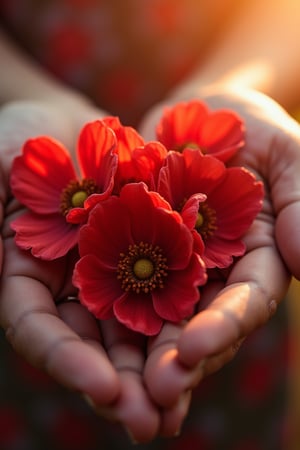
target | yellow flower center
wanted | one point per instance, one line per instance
(75, 194)
(199, 220)
(142, 268)
(78, 199)
(206, 222)
(192, 145)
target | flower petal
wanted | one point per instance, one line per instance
(137, 313)
(194, 173)
(128, 139)
(172, 170)
(222, 134)
(48, 237)
(107, 233)
(180, 294)
(77, 215)
(40, 174)
(96, 145)
(233, 194)
(156, 224)
(180, 124)
(220, 252)
(80, 215)
(237, 200)
(146, 163)
(98, 286)
(190, 210)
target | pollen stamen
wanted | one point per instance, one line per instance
(142, 269)
(192, 145)
(206, 221)
(76, 192)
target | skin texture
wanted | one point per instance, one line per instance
(146, 384)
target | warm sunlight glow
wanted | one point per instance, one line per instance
(258, 73)
(38, 166)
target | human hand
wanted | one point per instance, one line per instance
(104, 363)
(29, 286)
(243, 298)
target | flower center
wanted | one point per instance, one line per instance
(199, 220)
(180, 147)
(193, 145)
(75, 194)
(142, 269)
(206, 221)
(78, 199)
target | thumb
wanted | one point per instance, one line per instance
(21, 120)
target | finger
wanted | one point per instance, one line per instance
(172, 418)
(256, 285)
(215, 362)
(21, 120)
(165, 377)
(285, 191)
(35, 330)
(134, 407)
(277, 159)
(81, 321)
(287, 235)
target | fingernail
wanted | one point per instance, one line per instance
(201, 364)
(89, 401)
(198, 373)
(131, 438)
(200, 368)
(178, 432)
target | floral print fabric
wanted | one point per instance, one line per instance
(124, 54)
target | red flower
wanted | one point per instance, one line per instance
(219, 133)
(234, 198)
(44, 179)
(137, 261)
(137, 160)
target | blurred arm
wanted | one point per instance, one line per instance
(259, 50)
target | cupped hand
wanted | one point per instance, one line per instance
(30, 287)
(236, 302)
(104, 363)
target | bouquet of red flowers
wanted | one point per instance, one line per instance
(150, 220)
